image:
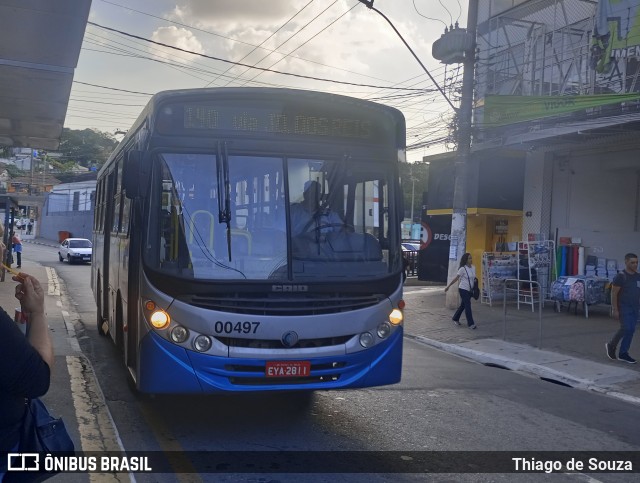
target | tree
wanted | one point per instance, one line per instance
(87, 147)
(13, 170)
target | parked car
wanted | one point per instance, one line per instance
(75, 250)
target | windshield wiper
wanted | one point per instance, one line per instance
(224, 186)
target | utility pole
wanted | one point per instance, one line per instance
(459, 217)
(413, 191)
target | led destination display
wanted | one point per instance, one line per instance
(340, 122)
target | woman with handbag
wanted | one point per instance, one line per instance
(25, 362)
(467, 277)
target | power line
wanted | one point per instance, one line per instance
(290, 37)
(175, 65)
(124, 96)
(450, 17)
(110, 103)
(428, 18)
(112, 88)
(265, 40)
(300, 76)
(459, 10)
(102, 113)
(235, 40)
(306, 41)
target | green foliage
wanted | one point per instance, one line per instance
(13, 170)
(60, 165)
(87, 147)
(414, 176)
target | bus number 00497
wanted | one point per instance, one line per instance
(238, 327)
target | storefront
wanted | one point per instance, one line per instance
(494, 209)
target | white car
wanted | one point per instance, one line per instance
(75, 250)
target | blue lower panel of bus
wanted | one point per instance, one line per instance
(167, 368)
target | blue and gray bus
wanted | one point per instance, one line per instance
(203, 274)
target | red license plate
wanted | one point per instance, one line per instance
(288, 369)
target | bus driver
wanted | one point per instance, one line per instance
(308, 215)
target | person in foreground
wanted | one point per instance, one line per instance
(25, 362)
(466, 275)
(625, 307)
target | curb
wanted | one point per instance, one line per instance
(46, 243)
(525, 367)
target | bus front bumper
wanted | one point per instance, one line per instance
(167, 368)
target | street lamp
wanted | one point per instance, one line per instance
(447, 47)
(369, 4)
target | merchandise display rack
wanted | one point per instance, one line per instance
(536, 262)
(496, 268)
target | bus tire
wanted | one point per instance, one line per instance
(131, 383)
(99, 318)
(119, 326)
(100, 322)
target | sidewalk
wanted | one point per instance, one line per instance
(569, 351)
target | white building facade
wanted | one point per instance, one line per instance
(558, 81)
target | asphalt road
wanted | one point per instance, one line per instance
(443, 403)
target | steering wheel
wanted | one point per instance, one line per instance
(322, 225)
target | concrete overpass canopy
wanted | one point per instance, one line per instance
(40, 44)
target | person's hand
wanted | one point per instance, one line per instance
(30, 294)
(615, 314)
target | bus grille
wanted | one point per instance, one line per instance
(277, 344)
(273, 304)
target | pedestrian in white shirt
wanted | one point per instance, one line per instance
(466, 275)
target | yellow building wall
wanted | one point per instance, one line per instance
(481, 236)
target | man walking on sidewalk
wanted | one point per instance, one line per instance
(625, 305)
(17, 247)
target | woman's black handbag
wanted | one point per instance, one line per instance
(41, 433)
(475, 292)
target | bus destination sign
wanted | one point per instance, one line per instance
(264, 120)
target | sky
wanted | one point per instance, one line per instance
(339, 41)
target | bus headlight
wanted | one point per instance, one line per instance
(160, 319)
(384, 329)
(396, 317)
(202, 343)
(179, 334)
(366, 340)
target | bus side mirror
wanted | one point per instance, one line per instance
(134, 172)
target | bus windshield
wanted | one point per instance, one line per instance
(230, 216)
